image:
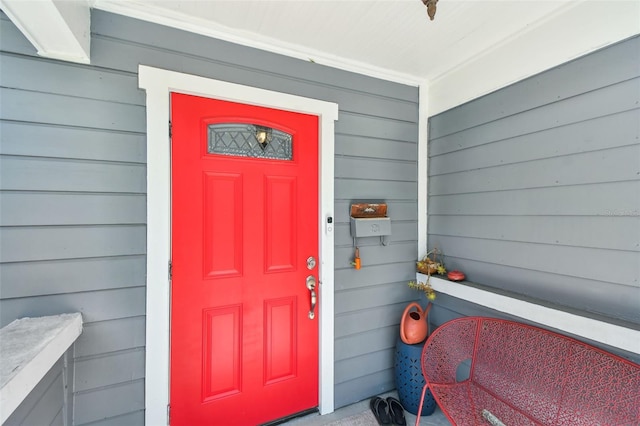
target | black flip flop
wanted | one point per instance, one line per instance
(396, 412)
(379, 408)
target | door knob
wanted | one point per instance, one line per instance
(311, 285)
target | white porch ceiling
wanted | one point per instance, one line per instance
(471, 48)
(475, 45)
(392, 35)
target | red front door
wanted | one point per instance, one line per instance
(244, 349)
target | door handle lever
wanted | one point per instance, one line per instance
(311, 285)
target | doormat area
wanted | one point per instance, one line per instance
(366, 418)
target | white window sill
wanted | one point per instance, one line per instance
(29, 347)
(599, 331)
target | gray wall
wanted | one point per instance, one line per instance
(535, 188)
(72, 206)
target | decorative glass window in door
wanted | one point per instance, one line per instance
(249, 140)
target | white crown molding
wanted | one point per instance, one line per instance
(150, 13)
(57, 29)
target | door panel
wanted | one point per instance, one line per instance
(244, 220)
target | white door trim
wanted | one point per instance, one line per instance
(159, 84)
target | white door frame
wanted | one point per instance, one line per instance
(158, 84)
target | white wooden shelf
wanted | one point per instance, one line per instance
(599, 331)
(29, 347)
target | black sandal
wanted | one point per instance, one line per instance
(396, 411)
(379, 408)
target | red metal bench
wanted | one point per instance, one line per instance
(526, 375)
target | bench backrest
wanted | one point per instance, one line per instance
(554, 379)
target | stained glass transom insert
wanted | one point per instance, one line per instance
(249, 140)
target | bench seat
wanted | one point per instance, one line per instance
(526, 375)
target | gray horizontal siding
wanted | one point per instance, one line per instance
(535, 188)
(614, 165)
(580, 137)
(88, 113)
(117, 368)
(54, 141)
(110, 336)
(72, 275)
(46, 174)
(607, 232)
(73, 185)
(619, 199)
(24, 208)
(100, 305)
(23, 244)
(107, 402)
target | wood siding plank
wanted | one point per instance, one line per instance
(372, 147)
(376, 255)
(367, 168)
(71, 275)
(599, 199)
(24, 208)
(54, 109)
(23, 244)
(365, 343)
(349, 323)
(354, 368)
(27, 139)
(369, 126)
(350, 189)
(112, 401)
(110, 369)
(95, 306)
(605, 232)
(614, 165)
(110, 336)
(373, 296)
(374, 275)
(610, 131)
(44, 174)
(133, 418)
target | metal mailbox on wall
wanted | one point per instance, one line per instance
(370, 220)
(370, 227)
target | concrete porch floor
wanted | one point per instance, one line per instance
(436, 419)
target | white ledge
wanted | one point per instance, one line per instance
(599, 331)
(29, 347)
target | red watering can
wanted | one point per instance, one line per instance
(413, 327)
